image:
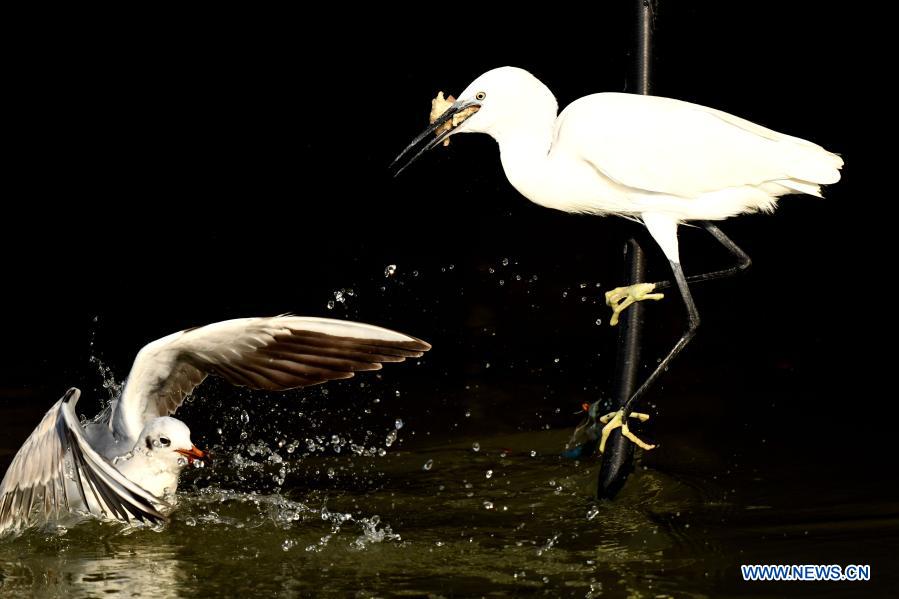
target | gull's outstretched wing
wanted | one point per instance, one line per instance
(56, 470)
(666, 146)
(282, 352)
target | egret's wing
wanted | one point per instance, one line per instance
(672, 147)
(55, 460)
(282, 352)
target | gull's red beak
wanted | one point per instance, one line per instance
(194, 454)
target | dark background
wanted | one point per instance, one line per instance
(167, 172)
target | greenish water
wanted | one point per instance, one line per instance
(511, 519)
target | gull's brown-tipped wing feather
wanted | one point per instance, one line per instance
(278, 353)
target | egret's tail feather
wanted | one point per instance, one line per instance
(810, 165)
(792, 185)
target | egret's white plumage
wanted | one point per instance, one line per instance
(657, 160)
(127, 466)
(660, 160)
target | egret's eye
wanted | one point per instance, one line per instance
(480, 96)
(164, 441)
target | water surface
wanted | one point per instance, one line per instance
(511, 518)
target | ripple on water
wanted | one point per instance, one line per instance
(410, 530)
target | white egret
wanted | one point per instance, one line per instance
(660, 161)
(127, 465)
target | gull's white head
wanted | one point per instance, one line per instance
(167, 439)
(506, 103)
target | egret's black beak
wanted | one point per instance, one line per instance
(457, 107)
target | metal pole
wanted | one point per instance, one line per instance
(644, 45)
(617, 461)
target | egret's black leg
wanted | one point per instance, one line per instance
(743, 260)
(621, 298)
(693, 324)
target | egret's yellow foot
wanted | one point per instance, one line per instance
(621, 297)
(614, 420)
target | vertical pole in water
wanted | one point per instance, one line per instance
(617, 461)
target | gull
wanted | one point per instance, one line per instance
(659, 161)
(125, 466)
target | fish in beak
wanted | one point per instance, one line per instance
(195, 453)
(443, 126)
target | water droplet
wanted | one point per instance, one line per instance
(244, 417)
(330, 304)
(391, 437)
(122, 458)
(468, 413)
(556, 360)
(533, 453)
(191, 521)
(476, 446)
(488, 505)
(331, 473)
(397, 392)
(598, 321)
(398, 424)
(489, 474)
(428, 465)
(505, 262)
(382, 452)
(288, 544)
(390, 270)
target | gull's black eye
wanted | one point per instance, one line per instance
(165, 441)
(480, 96)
